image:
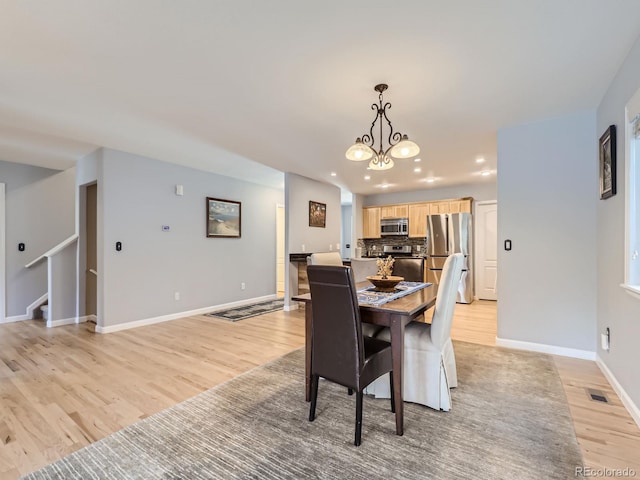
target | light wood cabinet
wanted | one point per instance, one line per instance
(418, 219)
(371, 222)
(460, 206)
(394, 211)
(416, 212)
(436, 208)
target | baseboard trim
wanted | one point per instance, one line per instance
(174, 316)
(292, 307)
(66, 321)
(631, 407)
(544, 348)
(30, 309)
(15, 318)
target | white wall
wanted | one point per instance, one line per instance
(40, 214)
(547, 193)
(479, 191)
(298, 191)
(136, 196)
(616, 309)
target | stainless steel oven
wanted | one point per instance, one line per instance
(394, 226)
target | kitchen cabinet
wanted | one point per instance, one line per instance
(436, 208)
(371, 222)
(418, 219)
(394, 211)
(460, 206)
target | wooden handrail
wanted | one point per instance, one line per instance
(57, 249)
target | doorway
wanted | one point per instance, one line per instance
(91, 257)
(487, 250)
(280, 231)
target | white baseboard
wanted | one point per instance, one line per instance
(631, 407)
(66, 321)
(543, 348)
(293, 306)
(15, 318)
(30, 309)
(175, 316)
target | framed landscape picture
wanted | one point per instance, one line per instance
(223, 218)
(317, 214)
(608, 163)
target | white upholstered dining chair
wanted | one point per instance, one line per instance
(429, 365)
(363, 268)
(325, 258)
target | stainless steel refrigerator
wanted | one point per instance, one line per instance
(448, 234)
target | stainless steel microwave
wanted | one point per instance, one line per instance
(394, 226)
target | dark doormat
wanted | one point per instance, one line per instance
(247, 311)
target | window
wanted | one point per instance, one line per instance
(632, 192)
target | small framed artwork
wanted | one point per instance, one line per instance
(317, 214)
(608, 163)
(224, 218)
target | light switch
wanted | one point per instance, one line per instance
(179, 190)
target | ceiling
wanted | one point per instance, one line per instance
(250, 89)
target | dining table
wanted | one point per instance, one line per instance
(395, 315)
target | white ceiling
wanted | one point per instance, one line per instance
(288, 84)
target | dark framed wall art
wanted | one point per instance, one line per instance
(317, 214)
(224, 218)
(607, 154)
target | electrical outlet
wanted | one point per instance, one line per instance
(303, 248)
(337, 246)
(176, 295)
(243, 286)
(331, 247)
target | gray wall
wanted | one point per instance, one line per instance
(39, 213)
(480, 191)
(62, 300)
(345, 233)
(136, 197)
(616, 309)
(547, 193)
(298, 191)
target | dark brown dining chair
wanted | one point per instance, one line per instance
(412, 269)
(339, 351)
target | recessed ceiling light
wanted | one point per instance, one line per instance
(480, 160)
(367, 177)
(417, 170)
(417, 159)
(430, 180)
(384, 185)
(485, 173)
(333, 174)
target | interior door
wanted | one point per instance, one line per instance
(487, 250)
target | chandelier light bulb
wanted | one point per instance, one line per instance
(359, 151)
(381, 164)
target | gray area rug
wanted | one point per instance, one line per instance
(509, 420)
(247, 311)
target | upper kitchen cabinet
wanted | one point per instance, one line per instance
(460, 206)
(394, 211)
(436, 208)
(371, 222)
(418, 219)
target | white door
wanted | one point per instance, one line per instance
(486, 250)
(280, 250)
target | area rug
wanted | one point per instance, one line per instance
(509, 420)
(247, 311)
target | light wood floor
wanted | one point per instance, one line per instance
(66, 387)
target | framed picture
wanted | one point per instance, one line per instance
(608, 163)
(223, 218)
(317, 214)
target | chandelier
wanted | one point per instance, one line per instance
(399, 145)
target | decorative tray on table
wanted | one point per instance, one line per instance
(387, 284)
